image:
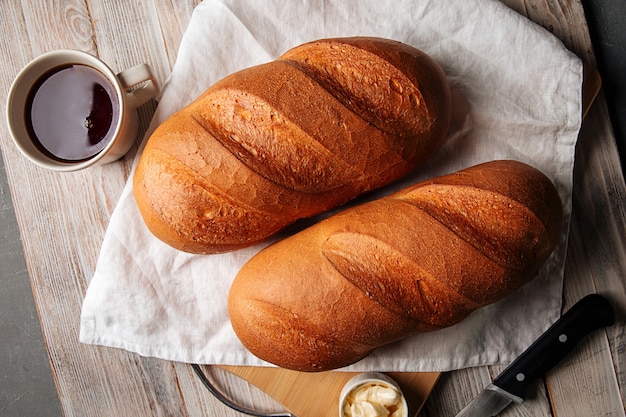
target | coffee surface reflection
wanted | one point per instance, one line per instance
(72, 112)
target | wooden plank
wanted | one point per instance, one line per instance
(563, 18)
(173, 24)
(65, 215)
(596, 263)
(57, 24)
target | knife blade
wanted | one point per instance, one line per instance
(590, 313)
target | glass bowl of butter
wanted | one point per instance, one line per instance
(372, 394)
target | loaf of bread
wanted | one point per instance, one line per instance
(327, 121)
(417, 260)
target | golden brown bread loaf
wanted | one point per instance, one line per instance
(289, 139)
(417, 260)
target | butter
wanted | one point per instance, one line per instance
(373, 400)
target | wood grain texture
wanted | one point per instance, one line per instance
(63, 218)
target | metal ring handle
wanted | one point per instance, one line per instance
(230, 403)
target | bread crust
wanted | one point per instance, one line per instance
(417, 260)
(289, 139)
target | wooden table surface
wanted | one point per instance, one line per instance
(62, 219)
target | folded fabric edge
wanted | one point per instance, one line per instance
(486, 358)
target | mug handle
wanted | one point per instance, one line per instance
(133, 77)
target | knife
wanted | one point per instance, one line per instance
(590, 313)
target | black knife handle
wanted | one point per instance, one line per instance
(590, 313)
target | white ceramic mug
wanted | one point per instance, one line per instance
(125, 92)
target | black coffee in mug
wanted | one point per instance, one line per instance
(72, 112)
(67, 110)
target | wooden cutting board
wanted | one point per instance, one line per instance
(591, 87)
(317, 394)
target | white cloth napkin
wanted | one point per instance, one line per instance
(522, 89)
